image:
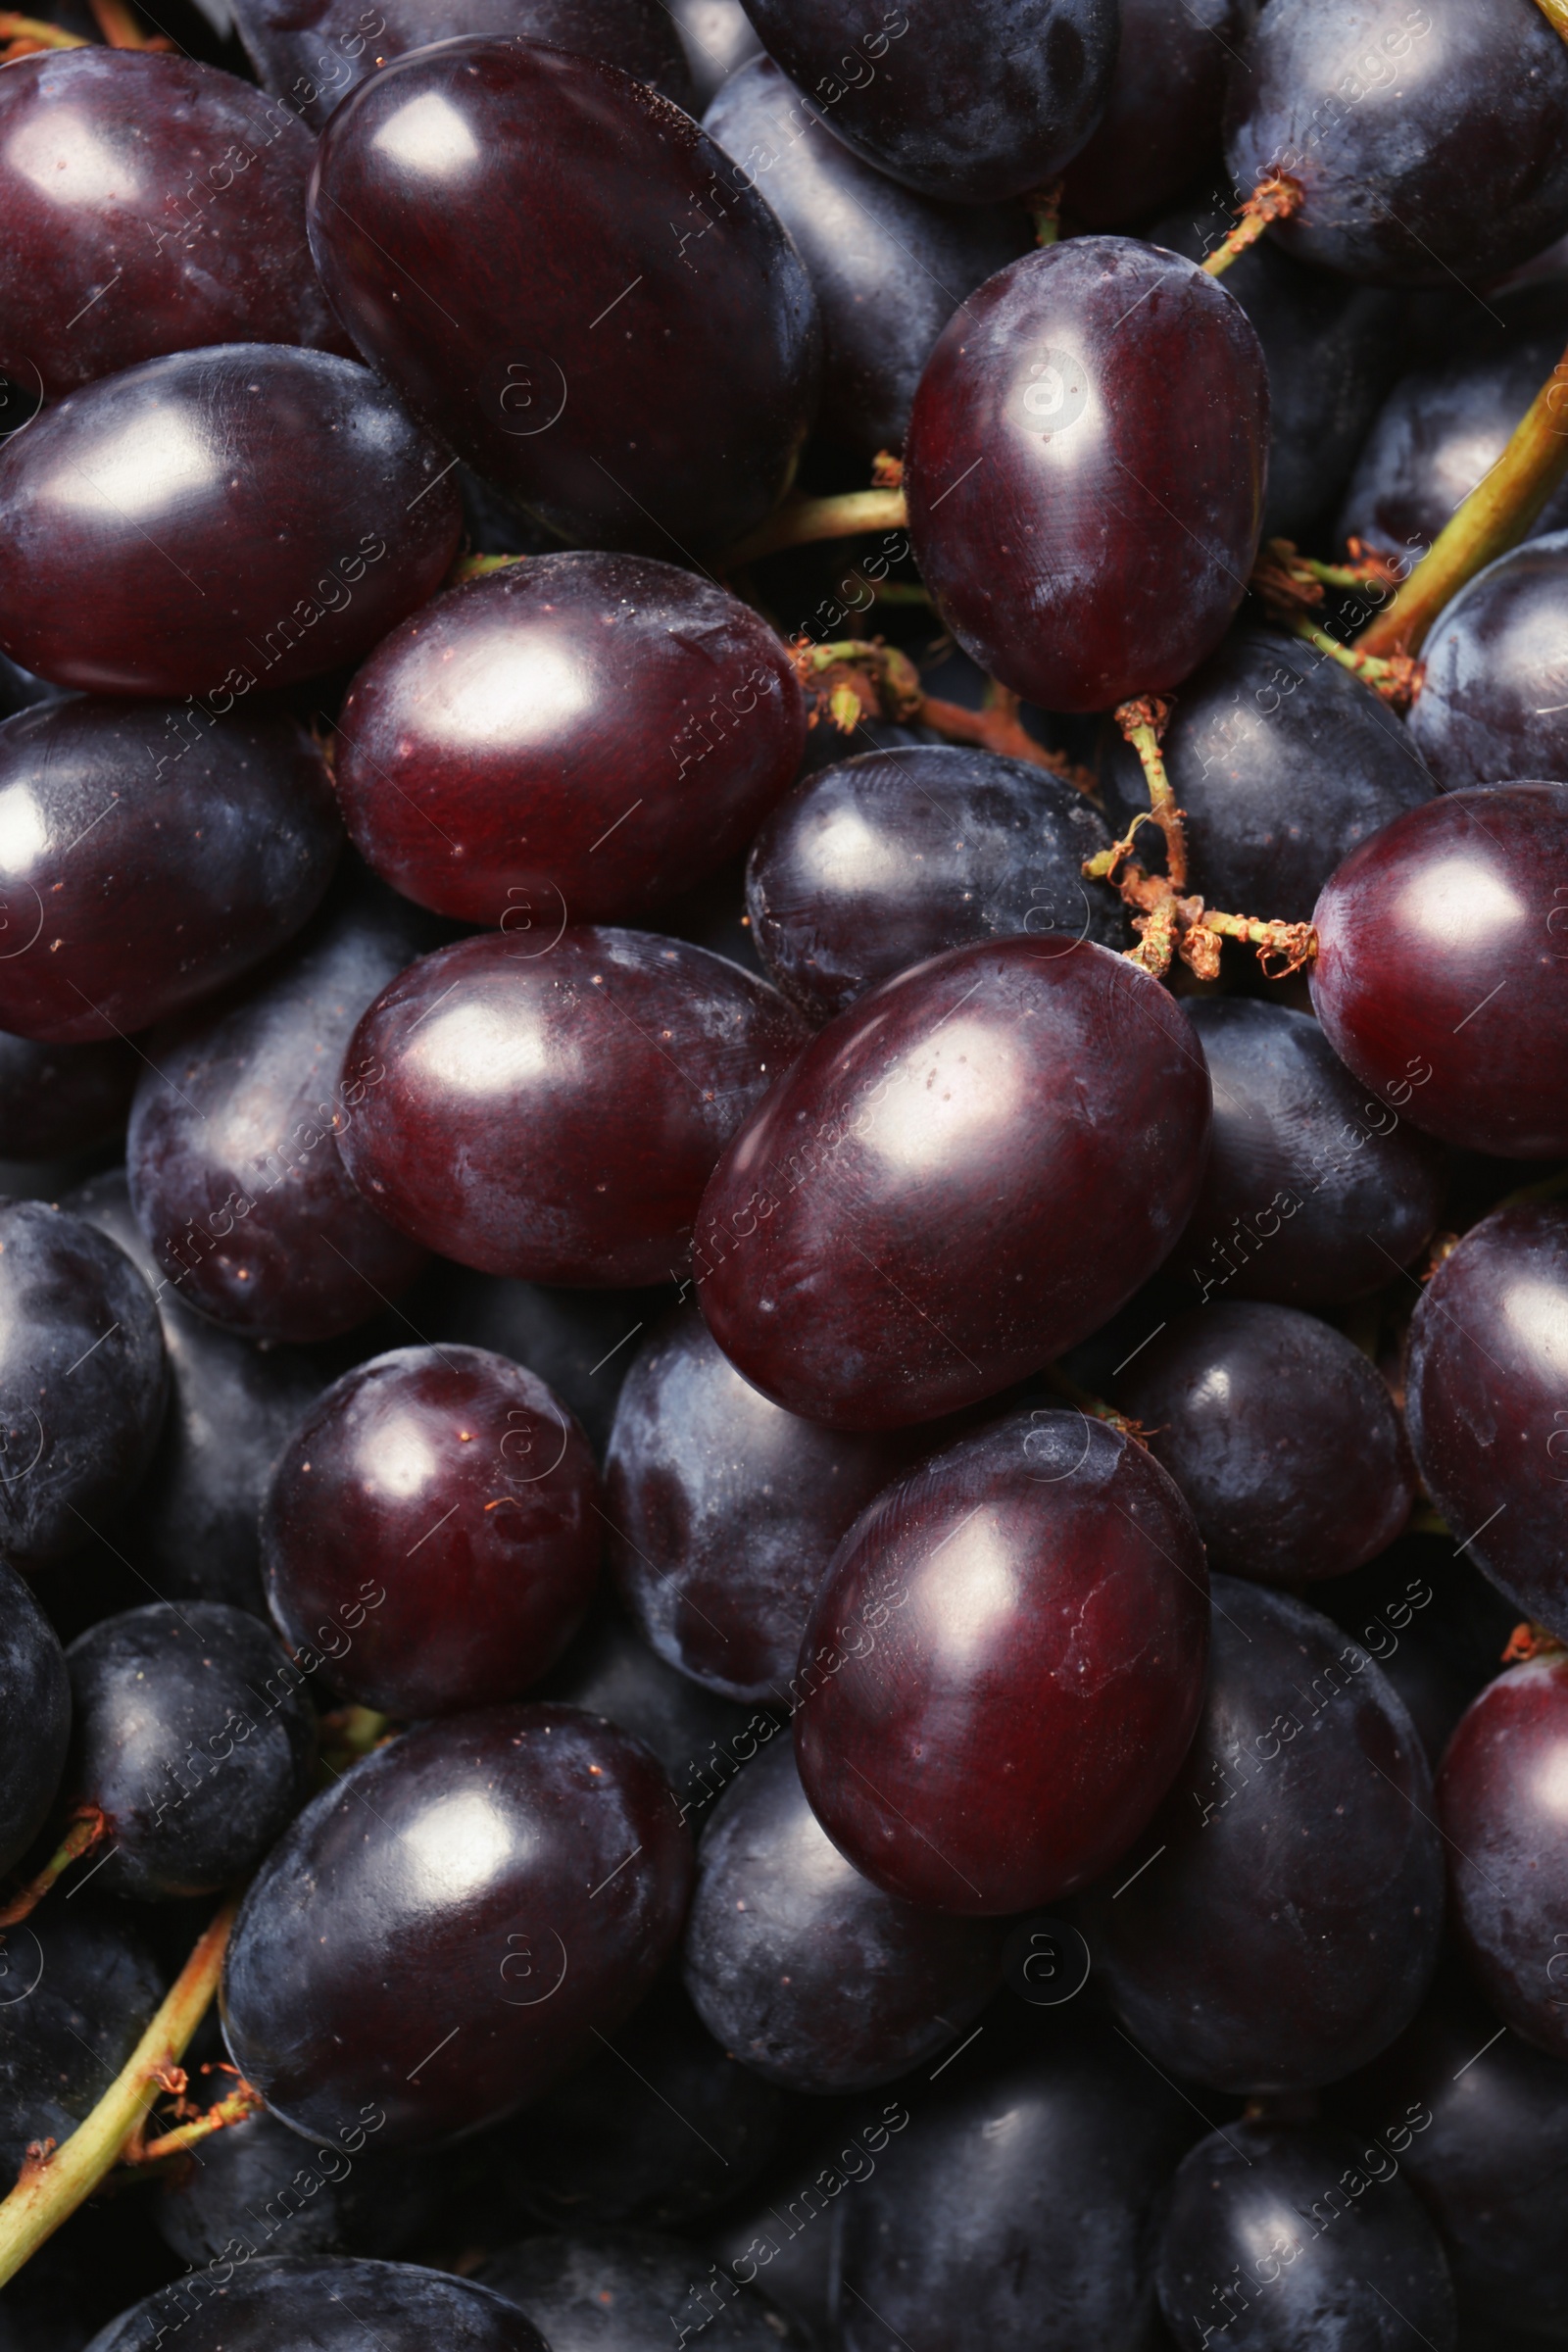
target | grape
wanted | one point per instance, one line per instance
(1161, 127)
(1439, 977)
(873, 1250)
(195, 1739)
(260, 2191)
(592, 315)
(437, 1938)
(83, 1381)
(441, 1502)
(57, 1099)
(1436, 1656)
(35, 1733)
(77, 1991)
(1282, 764)
(718, 39)
(1277, 1924)
(622, 2290)
(1280, 1435)
(216, 521)
(1086, 537)
(1313, 1195)
(1295, 2234)
(725, 1510)
(113, 810)
(152, 204)
(969, 109)
(571, 741)
(554, 1112)
(1488, 661)
(888, 266)
(579, 1341)
(235, 1152)
(876, 864)
(1498, 1796)
(1036, 1592)
(327, 2306)
(1430, 141)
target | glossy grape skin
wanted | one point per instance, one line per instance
(234, 1154)
(581, 1341)
(1086, 540)
(1038, 1593)
(261, 2189)
(162, 1699)
(1282, 764)
(1440, 972)
(561, 1112)
(1161, 127)
(962, 111)
(1284, 1922)
(296, 512)
(575, 739)
(512, 1879)
(124, 170)
(878, 861)
(1280, 1435)
(676, 427)
(83, 1381)
(1477, 717)
(153, 858)
(34, 1718)
(327, 2305)
(55, 1100)
(1292, 2236)
(868, 1257)
(725, 1510)
(454, 1482)
(1429, 144)
(626, 2290)
(888, 266)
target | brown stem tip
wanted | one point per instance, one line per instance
(1273, 199)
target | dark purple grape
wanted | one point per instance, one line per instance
(593, 315)
(34, 1733)
(195, 1737)
(627, 2290)
(1434, 1625)
(888, 266)
(917, 1213)
(438, 1938)
(1277, 1924)
(154, 855)
(234, 1154)
(1489, 661)
(1285, 2237)
(725, 1510)
(219, 522)
(879, 862)
(802, 1967)
(1313, 1193)
(571, 741)
(1087, 536)
(441, 1502)
(718, 39)
(77, 1991)
(83, 1381)
(1160, 128)
(152, 204)
(1439, 976)
(326, 2305)
(1429, 142)
(59, 1099)
(260, 2191)
(583, 1342)
(561, 1112)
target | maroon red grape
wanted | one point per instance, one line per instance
(1477, 720)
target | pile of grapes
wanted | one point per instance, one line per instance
(784, 1176)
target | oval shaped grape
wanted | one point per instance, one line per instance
(1160, 131)
(1479, 716)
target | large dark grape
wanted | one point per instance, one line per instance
(1285, 2237)
(34, 1724)
(58, 1100)
(260, 2191)
(83, 1381)
(1282, 764)
(1314, 1194)
(554, 1110)
(628, 2290)
(324, 2305)
(153, 854)
(246, 516)
(1280, 1434)
(1161, 125)
(441, 1502)
(879, 862)
(438, 1938)
(725, 1510)
(1494, 671)
(923, 1208)
(571, 741)
(77, 1991)
(558, 271)
(957, 107)
(1442, 974)
(1484, 1399)
(194, 1737)
(152, 204)
(235, 1155)
(1086, 535)
(1277, 1923)
(888, 266)
(581, 1341)
(1429, 142)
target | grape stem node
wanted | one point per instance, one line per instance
(854, 678)
(1273, 199)
(85, 1832)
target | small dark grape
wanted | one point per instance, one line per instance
(1478, 717)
